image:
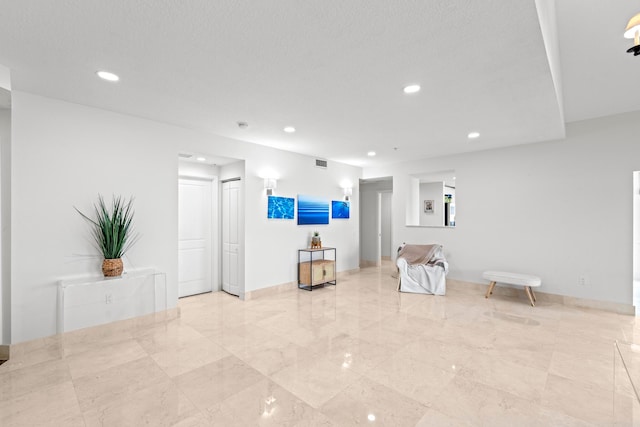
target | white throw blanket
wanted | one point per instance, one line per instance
(423, 278)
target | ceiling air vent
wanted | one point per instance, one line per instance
(185, 155)
(320, 163)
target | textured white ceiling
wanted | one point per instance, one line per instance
(334, 69)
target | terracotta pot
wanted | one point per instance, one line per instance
(112, 267)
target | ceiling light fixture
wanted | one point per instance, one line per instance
(371, 153)
(200, 159)
(473, 135)
(289, 129)
(412, 89)
(633, 32)
(105, 75)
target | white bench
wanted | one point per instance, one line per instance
(525, 280)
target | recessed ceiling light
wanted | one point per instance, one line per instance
(473, 135)
(289, 129)
(200, 159)
(412, 89)
(105, 75)
(371, 153)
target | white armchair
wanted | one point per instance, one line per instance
(422, 269)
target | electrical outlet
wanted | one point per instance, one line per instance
(107, 299)
(583, 280)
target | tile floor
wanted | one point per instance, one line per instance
(356, 354)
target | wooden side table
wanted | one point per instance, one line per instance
(316, 267)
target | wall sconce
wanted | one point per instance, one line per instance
(633, 32)
(348, 192)
(270, 184)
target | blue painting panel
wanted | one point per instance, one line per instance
(280, 207)
(312, 210)
(339, 209)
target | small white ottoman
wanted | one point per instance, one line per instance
(525, 280)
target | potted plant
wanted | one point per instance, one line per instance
(113, 232)
(316, 242)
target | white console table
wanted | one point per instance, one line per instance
(90, 300)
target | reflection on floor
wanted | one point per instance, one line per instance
(358, 353)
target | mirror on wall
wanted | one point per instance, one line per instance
(432, 199)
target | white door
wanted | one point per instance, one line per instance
(230, 237)
(194, 237)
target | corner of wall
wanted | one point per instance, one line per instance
(5, 228)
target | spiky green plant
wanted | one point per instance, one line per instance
(112, 227)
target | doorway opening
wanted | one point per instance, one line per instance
(202, 228)
(376, 230)
(5, 222)
(636, 241)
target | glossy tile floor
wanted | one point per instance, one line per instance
(356, 354)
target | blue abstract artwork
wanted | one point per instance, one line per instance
(312, 210)
(280, 207)
(339, 209)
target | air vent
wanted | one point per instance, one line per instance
(185, 155)
(320, 163)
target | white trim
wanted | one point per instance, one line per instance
(197, 176)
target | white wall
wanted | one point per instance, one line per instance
(233, 170)
(412, 202)
(73, 154)
(432, 191)
(636, 227)
(197, 170)
(557, 209)
(5, 78)
(5, 233)
(65, 154)
(272, 245)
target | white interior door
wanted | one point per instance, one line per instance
(194, 237)
(230, 237)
